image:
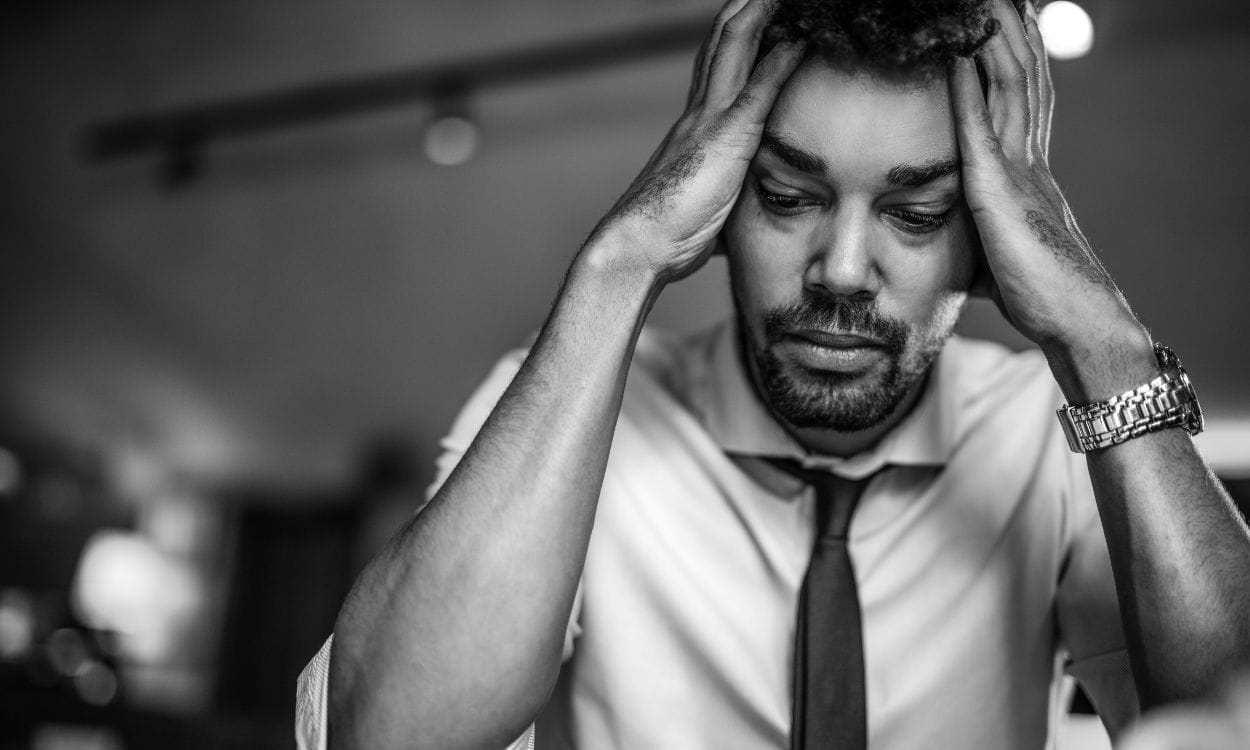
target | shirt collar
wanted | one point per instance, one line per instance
(740, 423)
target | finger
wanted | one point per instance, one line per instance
(978, 143)
(1012, 28)
(735, 53)
(1008, 94)
(756, 99)
(1045, 91)
(698, 83)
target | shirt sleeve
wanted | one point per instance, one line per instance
(311, 687)
(1088, 611)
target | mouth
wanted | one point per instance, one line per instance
(835, 340)
(836, 352)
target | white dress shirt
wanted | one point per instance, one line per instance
(981, 564)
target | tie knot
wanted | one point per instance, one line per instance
(836, 497)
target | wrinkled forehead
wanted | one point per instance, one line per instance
(863, 123)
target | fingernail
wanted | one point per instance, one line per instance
(1030, 7)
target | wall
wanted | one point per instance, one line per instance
(320, 286)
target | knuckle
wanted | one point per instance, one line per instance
(745, 99)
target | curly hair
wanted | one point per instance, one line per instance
(911, 36)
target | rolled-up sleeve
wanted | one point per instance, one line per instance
(310, 706)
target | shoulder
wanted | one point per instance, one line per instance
(979, 371)
(999, 399)
(664, 361)
(678, 364)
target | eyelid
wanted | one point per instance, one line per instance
(934, 209)
(781, 188)
(937, 204)
(931, 194)
(777, 173)
(928, 222)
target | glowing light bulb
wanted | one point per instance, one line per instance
(1067, 29)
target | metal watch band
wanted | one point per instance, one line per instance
(1167, 401)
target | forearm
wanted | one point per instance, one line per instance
(1180, 551)
(452, 636)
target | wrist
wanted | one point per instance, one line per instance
(1094, 368)
(611, 261)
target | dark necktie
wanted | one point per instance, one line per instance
(829, 698)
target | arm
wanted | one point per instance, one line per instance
(1180, 553)
(1219, 725)
(451, 637)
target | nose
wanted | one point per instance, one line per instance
(842, 261)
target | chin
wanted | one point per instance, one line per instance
(843, 402)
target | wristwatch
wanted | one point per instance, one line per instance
(1167, 401)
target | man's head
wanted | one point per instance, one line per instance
(850, 248)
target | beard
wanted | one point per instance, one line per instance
(841, 401)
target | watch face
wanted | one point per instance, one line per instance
(1171, 365)
(1168, 361)
(1195, 423)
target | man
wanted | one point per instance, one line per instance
(861, 181)
(1218, 725)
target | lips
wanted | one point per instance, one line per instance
(836, 340)
(823, 351)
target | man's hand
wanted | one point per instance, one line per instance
(1041, 271)
(667, 223)
(1178, 548)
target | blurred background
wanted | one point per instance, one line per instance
(256, 253)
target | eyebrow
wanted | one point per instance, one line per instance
(804, 161)
(901, 175)
(918, 175)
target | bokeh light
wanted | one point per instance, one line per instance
(17, 624)
(1067, 29)
(10, 472)
(124, 584)
(451, 140)
(67, 652)
(96, 683)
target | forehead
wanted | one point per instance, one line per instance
(860, 123)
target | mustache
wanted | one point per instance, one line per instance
(852, 316)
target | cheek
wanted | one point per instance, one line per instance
(930, 288)
(752, 250)
(948, 266)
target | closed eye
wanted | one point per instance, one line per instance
(916, 222)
